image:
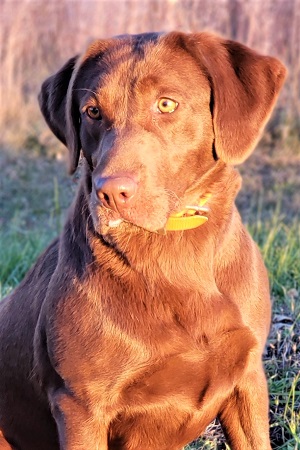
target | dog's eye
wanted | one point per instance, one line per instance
(94, 113)
(166, 105)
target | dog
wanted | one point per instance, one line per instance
(148, 316)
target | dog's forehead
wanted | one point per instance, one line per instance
(126, 61)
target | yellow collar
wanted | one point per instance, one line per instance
(189, 217)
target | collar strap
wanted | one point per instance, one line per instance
(190, 217)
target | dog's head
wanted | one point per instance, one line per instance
(155, 113)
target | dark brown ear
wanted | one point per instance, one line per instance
(53, 101)
(245, 86)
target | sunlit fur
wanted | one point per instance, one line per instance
(129, 337)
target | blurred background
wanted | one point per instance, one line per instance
(38, 36)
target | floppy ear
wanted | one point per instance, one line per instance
(245, 86)
(53, 104)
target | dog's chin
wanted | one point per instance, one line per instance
(111, 224)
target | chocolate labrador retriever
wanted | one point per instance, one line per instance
(148, 316)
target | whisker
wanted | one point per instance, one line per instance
(173, 197)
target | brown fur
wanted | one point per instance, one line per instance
(124, 337)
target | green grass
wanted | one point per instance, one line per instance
(19, 249)
(280, 245)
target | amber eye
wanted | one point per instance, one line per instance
(166, 105)
(94, 113)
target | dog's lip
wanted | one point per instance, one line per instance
(116, 222)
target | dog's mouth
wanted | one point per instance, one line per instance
(191, 216)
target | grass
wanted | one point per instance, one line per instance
(280, 246)
(20, 247)
(25, 234)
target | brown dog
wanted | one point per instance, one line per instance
(148, 316)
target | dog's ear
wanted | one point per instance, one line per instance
(59, 116)
(245, 86)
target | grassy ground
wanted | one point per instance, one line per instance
(35, 192)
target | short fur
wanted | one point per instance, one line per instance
(122, 336)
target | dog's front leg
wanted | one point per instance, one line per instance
(244, 417)
(77, 427)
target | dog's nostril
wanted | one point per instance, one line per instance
(115, 192)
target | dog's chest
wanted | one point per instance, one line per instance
(153, 376)
(154, 389)
(156, 398)
(166, 401)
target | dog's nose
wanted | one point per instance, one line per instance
(115, 192)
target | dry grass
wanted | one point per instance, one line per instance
(38, 36)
